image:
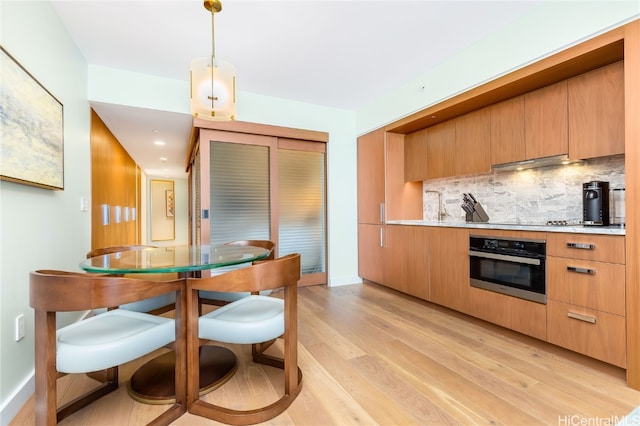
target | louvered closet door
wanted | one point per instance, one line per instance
(302, 206)
(262, 187)
(240, 205)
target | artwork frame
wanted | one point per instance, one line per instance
(169, 203)
(31, 129)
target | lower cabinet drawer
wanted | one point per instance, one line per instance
(593, 333)
(593, 285)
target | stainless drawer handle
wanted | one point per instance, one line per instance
(580, 317)
(583, 246)
(581, 270)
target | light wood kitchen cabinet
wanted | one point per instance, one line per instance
(546, 121)
(590, 332)
(586, 295)
(507, 131)
(371, 239)
(415, 156)
(371, 197)
(449, 267)
(407, 260)
(603, 248)
(521, 315)
(595, 285)
(596, 113)
(473, 143)
(371, 178)
(441, 150)
(380, 170)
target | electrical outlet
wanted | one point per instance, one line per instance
(20, 327)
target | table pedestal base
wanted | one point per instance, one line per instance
(154, 382)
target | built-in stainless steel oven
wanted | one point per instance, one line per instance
(515, 267)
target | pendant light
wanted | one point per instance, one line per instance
(213, 81)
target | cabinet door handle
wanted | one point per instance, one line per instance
(381, 237)
(381, 212)
(581, 270)
(583, 246)
(580, 317)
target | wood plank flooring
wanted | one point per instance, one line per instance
(372, 356)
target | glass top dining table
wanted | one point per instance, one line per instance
(154, 381)
(181, 259)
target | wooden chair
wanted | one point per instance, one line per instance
(256, 320)
(101, 342)
(219, 298)
(156, 305)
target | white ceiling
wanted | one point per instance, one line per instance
(342, 54)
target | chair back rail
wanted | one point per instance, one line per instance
(267, 275)
(61, 291)
(116, 249)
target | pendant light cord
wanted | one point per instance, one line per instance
(213, 54)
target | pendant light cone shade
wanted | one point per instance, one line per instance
(213, 81)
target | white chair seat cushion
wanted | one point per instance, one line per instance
(252, 319)
(110, 339)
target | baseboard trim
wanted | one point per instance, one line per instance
(337, 282)
(14, 403)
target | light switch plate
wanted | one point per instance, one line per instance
(20, 327)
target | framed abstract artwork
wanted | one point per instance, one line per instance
(31, 129)
(169, 203)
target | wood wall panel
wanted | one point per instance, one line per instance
(115, 181)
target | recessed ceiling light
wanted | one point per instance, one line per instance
(159, 143)
(163, 159)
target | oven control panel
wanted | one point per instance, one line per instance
(504, 245)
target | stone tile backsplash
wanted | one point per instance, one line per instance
(524, 197)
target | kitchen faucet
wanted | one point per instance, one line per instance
(441, 210)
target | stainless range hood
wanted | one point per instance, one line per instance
(556, 160)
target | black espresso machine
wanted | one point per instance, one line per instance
(595, 203)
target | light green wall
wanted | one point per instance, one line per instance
(41, 228)
(46, 229)
(547, 29)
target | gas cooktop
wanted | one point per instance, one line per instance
(547, 223)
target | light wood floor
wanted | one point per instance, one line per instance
(371, 356)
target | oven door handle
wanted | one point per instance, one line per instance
(495, 256)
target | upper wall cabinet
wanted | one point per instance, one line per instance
(371, 177)
(473, 143)
(431, 153)
(546, 121)
(455, 147)
(596, 112)
(533, 125)
(582, 116)
(415, 159)
(441, 150)
(507, 131)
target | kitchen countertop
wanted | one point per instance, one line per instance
(578, 229)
